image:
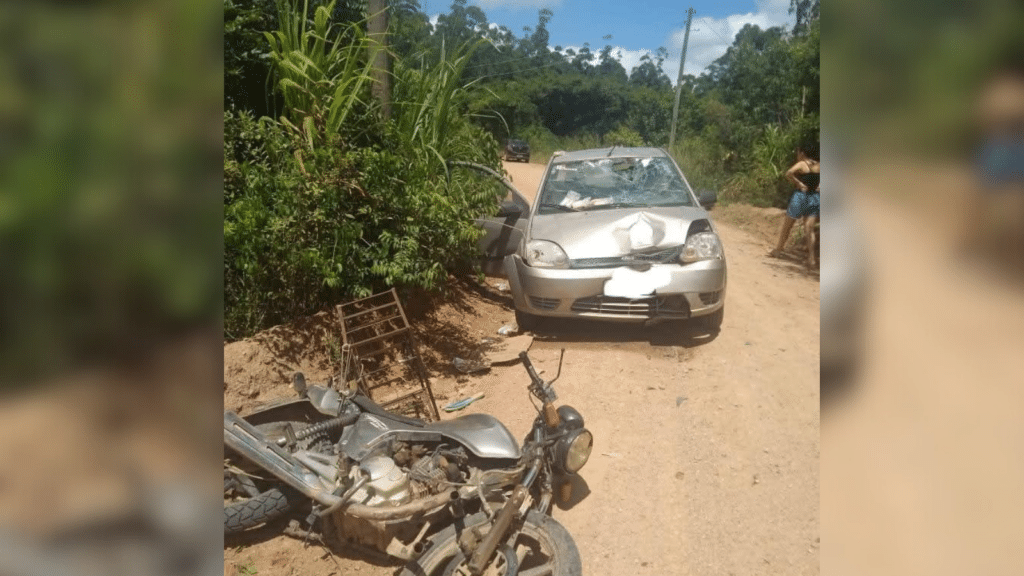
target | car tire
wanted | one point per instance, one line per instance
(527, 322)
(712, 322)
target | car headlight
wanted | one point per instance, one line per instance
(545, 254)
(573, 450)
(701, 246)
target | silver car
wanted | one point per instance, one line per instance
(615, 234)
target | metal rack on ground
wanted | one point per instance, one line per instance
(379, 352)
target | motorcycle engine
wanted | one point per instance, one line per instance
(407, 473)
(387, 484)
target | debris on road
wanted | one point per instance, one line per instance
(470, 366)
(612, 454)
(680, 400)
(455, 406)
(507, 350)
(502, 287)
(492, 351)
(507, 329)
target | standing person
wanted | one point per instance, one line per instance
(805, 202)
(993, 210)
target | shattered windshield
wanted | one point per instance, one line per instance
(613, 183)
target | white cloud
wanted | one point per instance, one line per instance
(711, 37)
(433, 20)
(631, 58)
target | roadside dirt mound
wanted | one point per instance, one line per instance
(762, 223)
(445, 326)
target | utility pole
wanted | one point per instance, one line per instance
(679, 83)
(377, 30)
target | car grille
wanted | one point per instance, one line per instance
(544, 303)
(661, 256)
(661, 306)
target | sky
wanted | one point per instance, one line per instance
(636, 26)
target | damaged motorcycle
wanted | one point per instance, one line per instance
(450, 497)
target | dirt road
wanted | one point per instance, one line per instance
(706, 449)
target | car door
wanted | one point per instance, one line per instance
(504, 230)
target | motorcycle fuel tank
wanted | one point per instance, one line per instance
(485, 436)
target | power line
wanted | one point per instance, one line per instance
(517, 71)
(500, 63)
(716, 31)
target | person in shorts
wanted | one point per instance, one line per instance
(994, 215)
(805, 203)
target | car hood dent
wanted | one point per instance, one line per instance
(607, 233)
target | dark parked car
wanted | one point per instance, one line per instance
(517, 150)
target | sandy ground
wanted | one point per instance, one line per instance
(923, 465)
(706, 448)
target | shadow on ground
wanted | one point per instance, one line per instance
(792, 263)
(681, 333)
(580, 491)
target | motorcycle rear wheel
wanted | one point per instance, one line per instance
(550, 550)
(252, 512)
(264, 503)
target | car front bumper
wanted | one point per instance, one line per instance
(693, 290)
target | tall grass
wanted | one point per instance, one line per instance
(427, 100)
(321, 72)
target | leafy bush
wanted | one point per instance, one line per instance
(319, 210)
(624, 136)
(301, 235)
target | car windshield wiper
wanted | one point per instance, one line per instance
(559, 207)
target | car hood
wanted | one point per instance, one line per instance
(616, 232)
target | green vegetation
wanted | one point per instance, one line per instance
(331, 202)
(326, 200)
(912, 72)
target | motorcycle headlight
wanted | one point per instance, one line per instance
(545, 254)
(573, 450)
(701, 246)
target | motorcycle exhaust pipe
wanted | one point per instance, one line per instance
(501, 523)
(396, 512)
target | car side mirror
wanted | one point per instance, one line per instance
(708, 198)
(509, 210)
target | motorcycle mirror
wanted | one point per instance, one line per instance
(560, 357)
(299, 384)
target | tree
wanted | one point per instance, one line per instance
(650, 73)
(246, 61)
(757, 76)
(806, 12)
(609, 66)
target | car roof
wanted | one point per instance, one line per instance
(612, 152)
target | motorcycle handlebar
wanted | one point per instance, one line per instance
(529, 369)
